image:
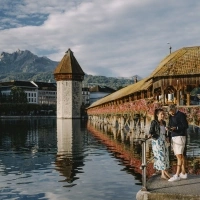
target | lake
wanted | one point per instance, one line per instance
(46, 158)
(49, 158)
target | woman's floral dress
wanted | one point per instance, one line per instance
(160, 151)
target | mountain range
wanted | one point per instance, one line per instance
(25, 66)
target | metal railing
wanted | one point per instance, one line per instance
(144, 162)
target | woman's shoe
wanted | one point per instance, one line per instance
(183, 176)
(174, 178)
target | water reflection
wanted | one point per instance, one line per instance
(122, 142)
(25, 154)
(69, 158)
(60, 159)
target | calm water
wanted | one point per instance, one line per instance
(62, 159)
(75, 160)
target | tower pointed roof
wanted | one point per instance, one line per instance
(68, 68)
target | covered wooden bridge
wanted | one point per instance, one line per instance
(175, 80)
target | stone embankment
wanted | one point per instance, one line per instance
(160, 189)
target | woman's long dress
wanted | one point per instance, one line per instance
(160, 151)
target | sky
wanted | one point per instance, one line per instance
(113, 38)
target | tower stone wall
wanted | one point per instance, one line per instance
(69, 99)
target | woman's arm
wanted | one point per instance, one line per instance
(153, 130)
(152, 127)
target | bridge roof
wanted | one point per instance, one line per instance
(126, 91)
(185, 61)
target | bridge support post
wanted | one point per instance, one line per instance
(114, 121)
(121, 122)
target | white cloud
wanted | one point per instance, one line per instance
(112, 38)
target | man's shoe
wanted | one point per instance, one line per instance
(174, 178)
(183, 176)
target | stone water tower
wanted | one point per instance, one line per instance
(69, 76)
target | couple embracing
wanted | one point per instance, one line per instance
(177, 129)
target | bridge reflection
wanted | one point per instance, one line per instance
(122, 143)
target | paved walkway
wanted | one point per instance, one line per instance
(160, 189)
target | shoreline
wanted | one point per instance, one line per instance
(27, 116)
(32, 116)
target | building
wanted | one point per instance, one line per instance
(29, 88)
(40, 92)
(176, 76)
(69, 76)
(85, 96)
(36, 92)
(47, 93)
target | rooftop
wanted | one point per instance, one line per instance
(185, 61)
(17, 83)
(68, 65)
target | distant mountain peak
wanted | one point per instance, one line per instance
(19, 51)
(25, 61)
(1, 56)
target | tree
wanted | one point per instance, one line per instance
(18, 95)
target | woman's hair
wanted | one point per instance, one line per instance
(156, 112)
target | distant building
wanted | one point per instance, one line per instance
(46, 92)
(98, 92)
(29, 88)
(85, 95)
(36, 92)
(40, 92)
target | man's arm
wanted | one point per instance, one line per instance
(170, 123)
(168, 127)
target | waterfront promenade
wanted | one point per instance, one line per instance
(159, 189)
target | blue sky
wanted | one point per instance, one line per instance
(108, 37)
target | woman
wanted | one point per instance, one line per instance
(160, 149)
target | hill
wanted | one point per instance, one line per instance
(25, 66)
(113, 82)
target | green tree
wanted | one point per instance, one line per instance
(18, 95)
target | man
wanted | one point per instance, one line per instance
(178, 127)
